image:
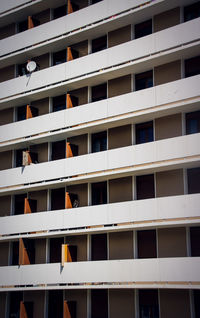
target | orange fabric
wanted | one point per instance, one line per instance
(69, 7)
(28, 112)
(68, 203)
(66, 312)
(30, 22)
(27, 208)
(69, 153)
(23, 255)
(69, 101)
(69, 54)
(23, 313)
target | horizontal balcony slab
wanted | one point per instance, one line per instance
(136, 157)
(138, 51)
(138, 213)
(133, 104)
(148, 271)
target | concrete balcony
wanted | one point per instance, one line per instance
(174, 272)
(133, 56)
(79, 117)
(173, 209)
(165, 154)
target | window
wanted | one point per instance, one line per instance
(99, 141)
(192, 66)
(143, 29)
(19, 157)
(144, 132)
(21, 69)
(143, 80)
(14, 303)
(58, 199)
(59, 57)
(55, 304)
(196, 294)
(15, 253)
(99, 193)
(145, 187)
(146, 241)
(99, 44)
(58, 150)
(193, 123)
(99, 92)
(99, 303)
(23, 26)
(59, 103)
(194, 241)
(148, 303)
(95, 1)
(19, 203)
(21, 113)
(55, 249)
(59, 12)
(99, 247)
(192, 11)
(193, 180)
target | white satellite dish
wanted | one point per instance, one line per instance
(31, 66)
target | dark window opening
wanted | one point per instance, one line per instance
(192, 11)
(99, 44)
(15, 253)
(59, 12)
(99, 141)
(95, 1)
(14, 306)
(58, 150)
(144, 132)
(194, 241)
(21, 113)
(143, 80)
(99, 193)
(143, 29)
(193, 123)
(19, 157)
(21, 69)
(99, 247)
(147, 244)
(193, 180)
(29, 245)
(23, 26)
(59, 103)
(145, 187)
(58, 199)
(99, 92)
(192, 66)
(55, 304)
(196, 294)
(59, 57)
(148, 303)
(19, 200)
(99, 303)
(55, 249)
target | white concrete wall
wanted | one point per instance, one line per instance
(132, 102)
(146, 270)
(137, 155)
(133, 211)
(131, 50)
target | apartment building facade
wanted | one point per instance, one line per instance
(99, 159)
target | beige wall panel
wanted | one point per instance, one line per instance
(119, 86)
(43, 16)
(120, 189)
(42, 61)
(82, 95)
(41, 197)
(82, 191)
(40, 251)
(80, 296)
(4, 252)
(119, 36)
(42, 151)
(7, 31)
(172, 242)
(119, 137)
(5, 205)
(42, 105)
(166, 19)
(5, 160)
(81, 243)
(168, 127)
(81, 142)
(38, 298)
(121, 245)
(121, 303)
(6, 116)
(167, 73)
(174, 303)
(82, 48)
(169, 183)
(3, 304)
(7, 73)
